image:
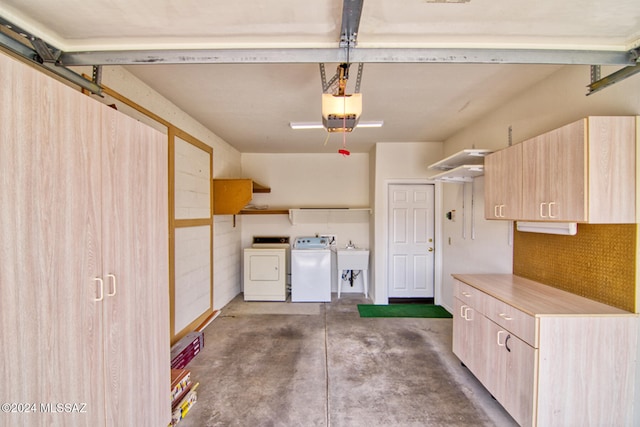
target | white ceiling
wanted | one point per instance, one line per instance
(250, 104)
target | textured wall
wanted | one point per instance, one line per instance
(599, 262)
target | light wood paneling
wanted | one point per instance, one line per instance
(82, 198)
(581, 368)
(50, 229)
(581, 172)
(136, 254)
(612, 169)
(503, 183)
(587, 359)
(554, 175)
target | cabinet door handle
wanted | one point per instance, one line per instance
(498, 338)
(466, 314)
(495, 211)
(466, 294)
(462, 311)
(506, 343)
(551, 204)
(113, 285)
(542, 209)
(101, 287)
(501, 211)
(505, 316)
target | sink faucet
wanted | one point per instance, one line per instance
(351, 245)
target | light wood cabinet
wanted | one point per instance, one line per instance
(549, 357)
(503, 183)
(83, 241)
(230, 196)
(555, 175)
(581, 172)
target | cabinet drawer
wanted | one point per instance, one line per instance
(513, 320)
(469, 295)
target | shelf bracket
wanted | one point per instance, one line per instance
(598, 83)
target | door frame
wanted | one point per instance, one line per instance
(381, 285)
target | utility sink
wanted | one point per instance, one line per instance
(353, 259)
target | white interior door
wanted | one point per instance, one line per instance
(411, 240)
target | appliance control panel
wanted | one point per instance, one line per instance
(271, 239)
(311, 243)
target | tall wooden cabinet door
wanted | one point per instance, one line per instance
(567, 159)
(50, 214)
(535, 178)
(503, 183)
(554, 175)
(135, 236)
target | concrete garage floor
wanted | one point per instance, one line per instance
(315, 364)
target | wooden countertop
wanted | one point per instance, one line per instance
(536, 298)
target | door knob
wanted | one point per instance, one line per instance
(430, 249)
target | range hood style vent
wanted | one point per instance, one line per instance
(460, 167)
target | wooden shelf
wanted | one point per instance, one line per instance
(460, 167)
(264, 212)
(464, 173)
(257, 188)
(230, 196)
(464, 157)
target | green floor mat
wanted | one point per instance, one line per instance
(403, 310)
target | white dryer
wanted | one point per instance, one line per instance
(266, 269)
(311, 270)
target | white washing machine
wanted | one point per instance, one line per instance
(266, 269)
(311, 270)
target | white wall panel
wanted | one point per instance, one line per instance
(192, 181)
(193, 274)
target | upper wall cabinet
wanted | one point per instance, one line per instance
(231, 195)
(581, 172)
(503, 183)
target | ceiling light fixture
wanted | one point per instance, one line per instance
(341, 111)
(318, 125)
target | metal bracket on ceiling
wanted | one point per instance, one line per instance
(45, 52)
(97, 74)
(595, 73)
(351, 13)
(342, 74)
(598, 83)
(37, 51)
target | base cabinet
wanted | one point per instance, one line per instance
(549, 357)
(84, 329)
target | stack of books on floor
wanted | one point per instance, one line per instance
(186, 349)
(183, 394)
